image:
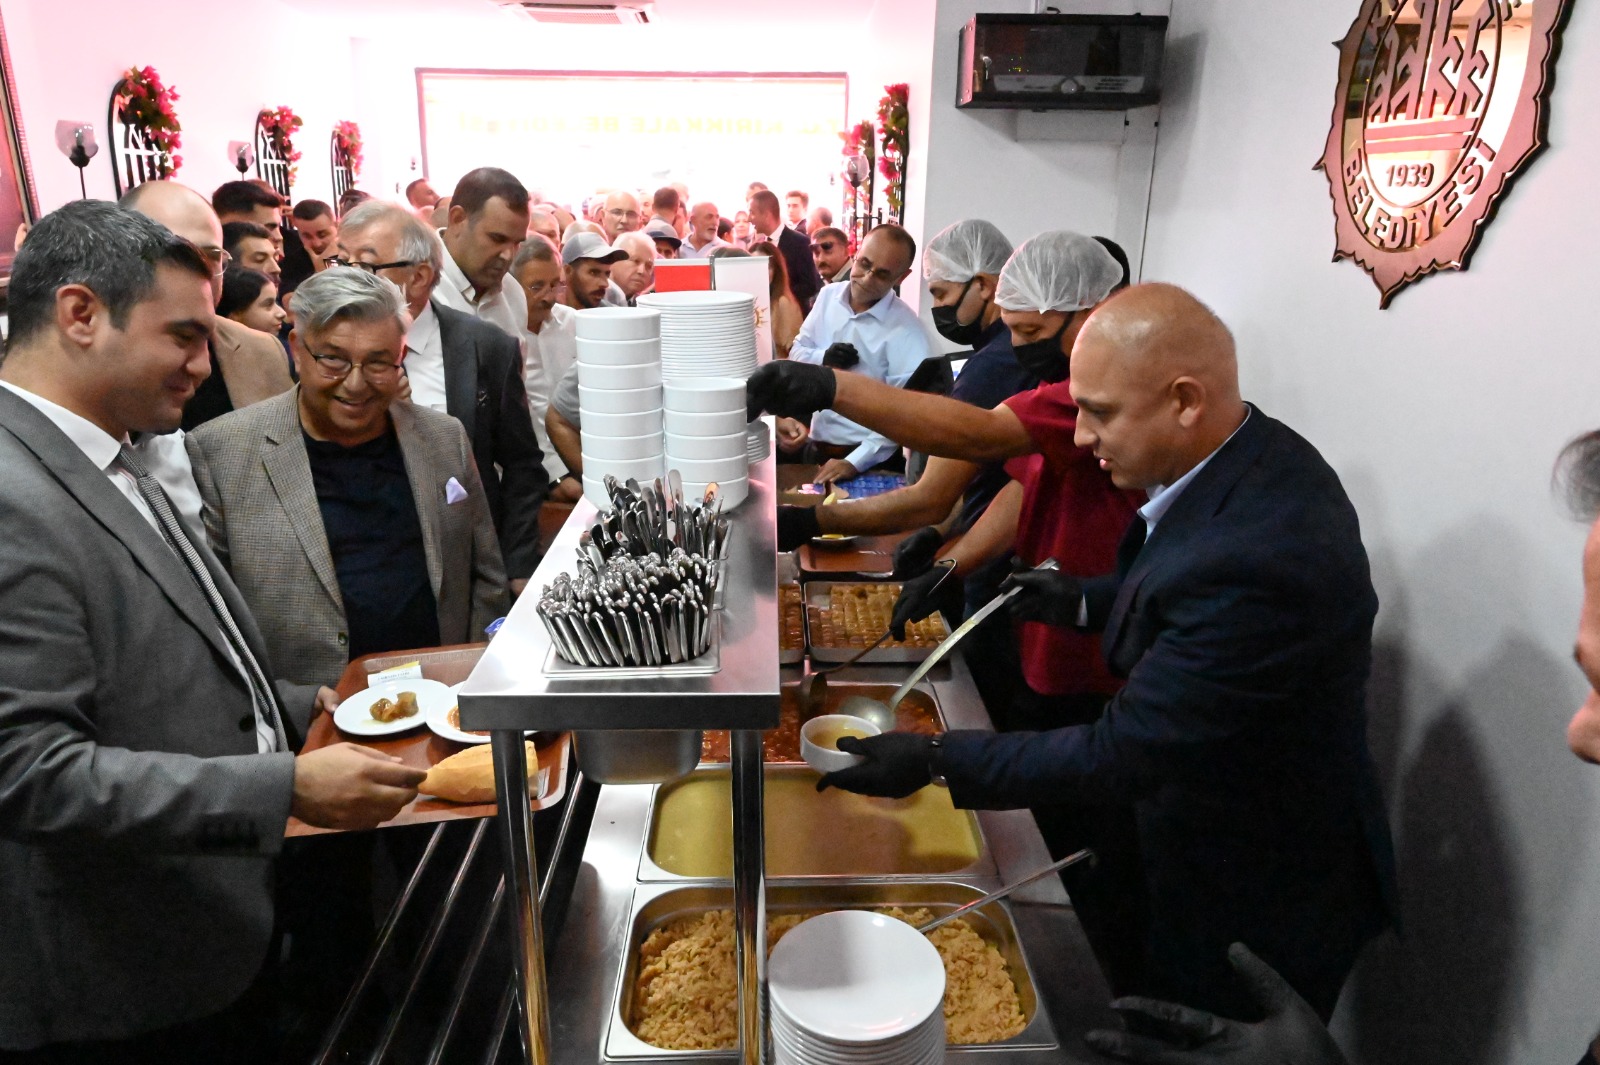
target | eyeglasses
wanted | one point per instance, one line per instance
(629, 216)
(540, 288)
(824, 245)
(372, 268)
(337, 368)
(864, 266)
(217, 257)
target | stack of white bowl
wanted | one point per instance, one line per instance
(710, 334)
(854, 987)
(706, 435)
(619, 397)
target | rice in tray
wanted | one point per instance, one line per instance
(686, 991)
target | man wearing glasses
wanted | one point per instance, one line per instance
(830, 250)
(247, 366)
(621, 214)
(351, 523)
(464, 367)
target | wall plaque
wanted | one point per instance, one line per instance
(1440, 104)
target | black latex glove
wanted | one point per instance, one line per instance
(796, 525)
(840, 356)
(897, 764)
(1048, 596)
(920, 597)
(790, 390)
(917, 552)
(1291, 1031)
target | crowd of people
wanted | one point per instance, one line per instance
(240, 449)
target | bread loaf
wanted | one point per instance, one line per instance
(469, 775)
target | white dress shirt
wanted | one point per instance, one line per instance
(546, 357)
(1161, 497)
(891, 343)
(169, 464)
(425, 361)
(506, 307)
(689, 251)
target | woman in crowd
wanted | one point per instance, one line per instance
(741, 230)
(786, 316)
(250, 298)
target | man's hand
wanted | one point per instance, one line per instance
(796, 525)
(1291, 1034)
(789, 389)
(519, 585)
(404, 391)
(841, 356)
(326, 701)
(917, 552)
(919, 597)
(348, 786)
(792, 434)
(567, 490)
(897, 764)
(1048, 596)
(835, 470)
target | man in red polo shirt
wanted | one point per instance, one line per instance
(1059, 505)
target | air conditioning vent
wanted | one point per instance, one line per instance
(586, 12)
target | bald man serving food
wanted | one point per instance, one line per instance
(1240, 611)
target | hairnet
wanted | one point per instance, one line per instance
(1057, 271)
(961, 252)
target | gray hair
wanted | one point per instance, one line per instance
(536, 249)
(580, 225)
(346, 293)
(636, 241)
(419, 243)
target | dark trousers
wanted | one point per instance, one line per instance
(1108, 895)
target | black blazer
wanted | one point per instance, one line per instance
(804, 281)
(1244, 628)
(484, 391)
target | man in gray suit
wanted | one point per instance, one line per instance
(352, 524)
(146, 766)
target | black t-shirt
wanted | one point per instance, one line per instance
(991, 376)
(370, 519)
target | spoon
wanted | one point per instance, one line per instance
(1000, 893)
(882, 714)
(812, 690)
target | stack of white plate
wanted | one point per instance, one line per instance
(619, 397)
(705, 334)
(706, 436)
(757, 441)
(856, 988)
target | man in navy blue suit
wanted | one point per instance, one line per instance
(1240, 612)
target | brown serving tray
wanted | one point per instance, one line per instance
(818, 594)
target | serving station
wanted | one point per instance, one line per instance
(745, 833)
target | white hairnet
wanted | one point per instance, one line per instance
(961, 252)
(1057, 271)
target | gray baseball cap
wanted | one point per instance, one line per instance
(661, 230)
(589, 246)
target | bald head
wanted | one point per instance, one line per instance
(621, 214)
(186, 213)
(1156, 380)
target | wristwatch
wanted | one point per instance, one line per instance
(935, 746)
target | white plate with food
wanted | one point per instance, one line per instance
(445, 721)
(384, 709)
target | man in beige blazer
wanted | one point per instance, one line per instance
(247, 365)
(352, 524)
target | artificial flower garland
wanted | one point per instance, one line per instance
(146, 104)
(894, 124)
(280, 125)
(347, 136)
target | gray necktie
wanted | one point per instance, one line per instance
(179, 541)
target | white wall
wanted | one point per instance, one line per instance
(1442, 415)
(67, 56)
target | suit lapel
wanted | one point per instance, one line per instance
(460, 372)
(425, 493)
(119, 517)
(283, 454)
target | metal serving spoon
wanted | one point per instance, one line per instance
(1000, 893)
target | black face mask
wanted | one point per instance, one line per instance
(1043, 358)
(954, 330)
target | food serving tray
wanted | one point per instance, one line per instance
(556, 667)
(817, 597)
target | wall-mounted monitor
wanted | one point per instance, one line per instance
(1061, 62)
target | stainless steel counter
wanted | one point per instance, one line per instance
(588, 964)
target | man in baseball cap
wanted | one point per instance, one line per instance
(666, 238)
(586, 261)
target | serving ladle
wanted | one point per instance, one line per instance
(882, 714)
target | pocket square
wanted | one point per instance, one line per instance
(453, 492)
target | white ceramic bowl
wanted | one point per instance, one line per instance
(650, 467)
(706, 447)
(703, 395)
(699, 423)
(618, 323)
(816, 735)
(732, 493)
(608, 448)
(594, 490)
(618, 400)
(618, 352)
(699, 471)
(641, 375)
(856, 978)
(640, 423)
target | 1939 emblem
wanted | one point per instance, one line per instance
(1440, 104)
